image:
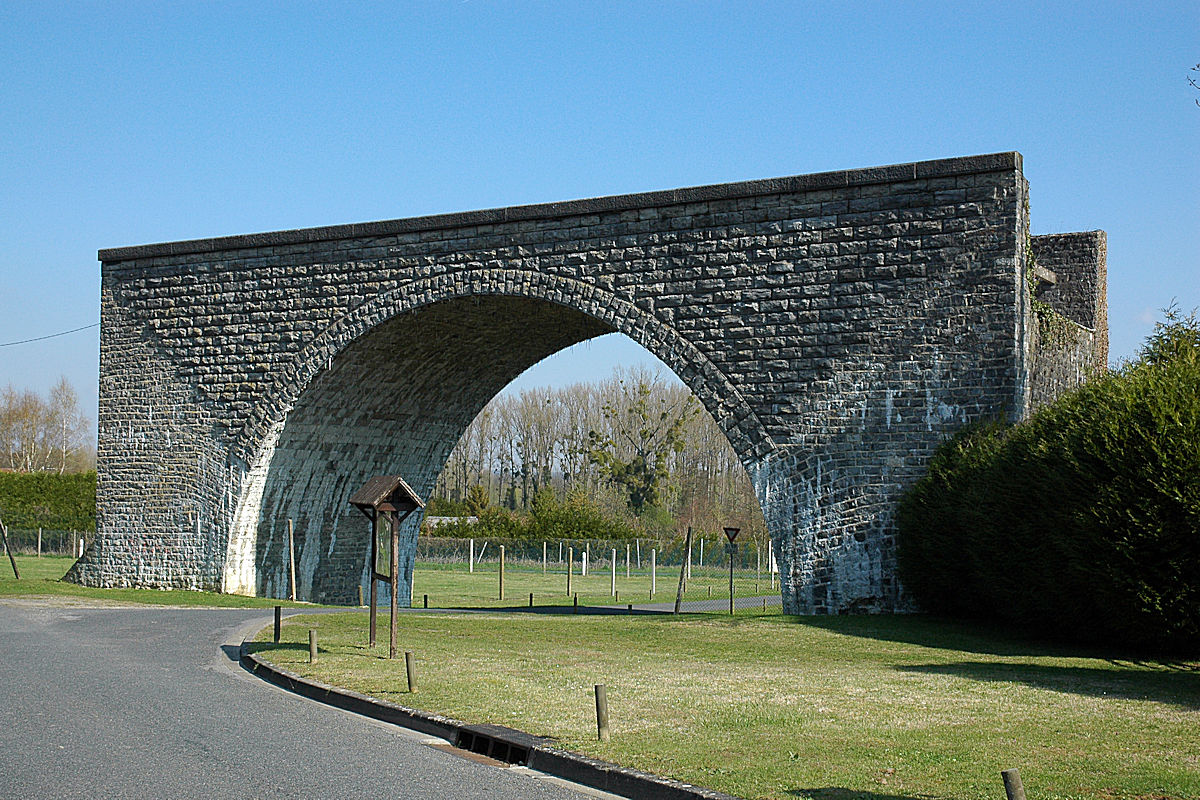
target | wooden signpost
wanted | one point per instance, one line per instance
(731, 548)
(388, 498)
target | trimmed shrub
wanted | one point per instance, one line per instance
(48, 500)
(1083, 522)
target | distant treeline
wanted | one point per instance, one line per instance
(48, 500)
(648, 459)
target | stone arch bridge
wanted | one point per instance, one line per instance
(837, 326)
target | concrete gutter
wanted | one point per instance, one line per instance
(539, 753)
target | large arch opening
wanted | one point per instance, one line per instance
(391, 392)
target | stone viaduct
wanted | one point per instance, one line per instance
(837, 326)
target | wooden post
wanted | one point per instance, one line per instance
(425, 601)
(684, 569)
(410, 667)
(627, 551)
(653, 571)
(312, 645)
(372, 572)
(291, 562)
(702, 551)
(587, 548)
(575, 603)
(39, 542)
(570, 564)
(543, 557)
(278, 622)
(11, 558)
(1012, 784)
(639, 552)
(531, 599)
(395, 576)
(501, 572)
(360, 597)
(471, 557)
(601, 712)
(613, 590)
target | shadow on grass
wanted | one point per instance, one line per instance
(1172, 685)
(840, 793)
(966, 636)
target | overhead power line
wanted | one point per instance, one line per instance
(51, 336)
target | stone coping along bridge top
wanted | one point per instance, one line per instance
(916, 170)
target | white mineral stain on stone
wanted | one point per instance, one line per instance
(240, 575)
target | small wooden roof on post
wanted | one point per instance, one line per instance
(393, 497)
(386, 493)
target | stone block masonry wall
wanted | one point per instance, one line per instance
(1071, 341)
(836, 325)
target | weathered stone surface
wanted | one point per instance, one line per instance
(837, 326)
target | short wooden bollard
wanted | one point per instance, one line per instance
(531, 599)
(764, 604)
(617, 596)
(426, 601)
(631, 608)
(1012, 784)
(410, 666)
(575, 602)
(312, 645)
(360, 597)
(601, 712)
(278, 622)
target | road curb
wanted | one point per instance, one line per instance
(541, 754)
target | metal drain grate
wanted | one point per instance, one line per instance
(496, 742)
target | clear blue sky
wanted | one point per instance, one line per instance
(127, 123)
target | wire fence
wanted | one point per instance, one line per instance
(44, 541)
(641, 574)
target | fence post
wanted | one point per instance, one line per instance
(587, 550)
(39, 542)
(614, 572)
(684, 569)
(601, 712)
(653, 571)
(291, 562)
(639, 552)
(471, 557)
(410, 667)
(501, 572)
(570, 566)
(1013, 787)
(543, 557)
(627, 547)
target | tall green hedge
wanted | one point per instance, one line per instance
(48, 500)
(1083, 522)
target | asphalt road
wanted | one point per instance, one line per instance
(150, 702)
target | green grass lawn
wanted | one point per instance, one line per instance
(768, 706)
(452, 586)
(40, 577)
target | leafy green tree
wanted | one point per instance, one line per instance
(644, 430)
